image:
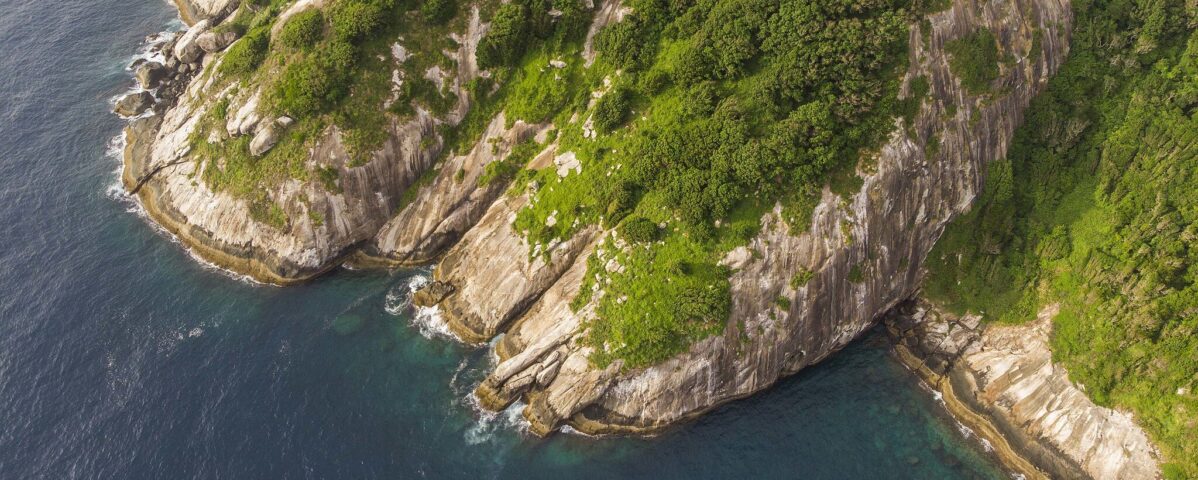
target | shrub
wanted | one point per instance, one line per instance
(354, 19)
(314, 83)
(801, 278)
(505, 41)
(629, 44)
(639, 229)
(856, 275)
(303, 29)
(974, 59)
(782, 303)
(612, 110)
(245, 55)
(438, 11)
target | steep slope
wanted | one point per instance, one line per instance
(1005, 375)
(864, 253)
(1095, 211)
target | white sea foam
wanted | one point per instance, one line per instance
(568, 430)
(399, 298)
(427, 320)
(489, 423)
(116, 151)
(430, 324)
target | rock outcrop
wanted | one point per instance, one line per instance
(133, 104)
(454, 202)
(865, 252)
(193, 11)
(323, 225)
(884, 232)
(1005, 375)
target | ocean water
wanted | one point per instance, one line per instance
(121, 356)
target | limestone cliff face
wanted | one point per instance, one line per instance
(1006, 373)
(883, 232)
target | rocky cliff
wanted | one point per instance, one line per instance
(193, 11)
(1005, 376)
(324, 226)
(865, 252)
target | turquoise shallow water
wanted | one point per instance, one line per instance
(122, 357)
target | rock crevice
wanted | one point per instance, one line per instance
(1005, 375)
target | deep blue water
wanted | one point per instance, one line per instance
(122, 357)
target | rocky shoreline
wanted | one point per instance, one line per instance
(1000, 381)
(487, 285)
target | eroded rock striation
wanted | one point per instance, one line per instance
(883, 233)
(324, 225)
(1005, 373)
(860, 255)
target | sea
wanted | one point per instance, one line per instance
(122, 356)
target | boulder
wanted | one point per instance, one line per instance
(268, 136)
(134, 104)
(431, 294)
(243, 119)
(265, 140)
(187, 49)
(151, 74)
(213, 42)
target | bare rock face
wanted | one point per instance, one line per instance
(323, 226)
(431, 294)
(1006, 373)
(884, 232)
(495, 276)
(187, 49)
(213, 42)
(454, 202)
(134, 104)
(194, 11)
(220, 227)
(150, 75)
(267, 137)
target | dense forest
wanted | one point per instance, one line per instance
(1095, 209)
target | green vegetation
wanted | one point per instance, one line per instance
(504, 169)
(245, 55)
(801, 278)
(654, 317)
(974, 59)
(330, 66)
(740, 104)
(612, 110)
(639, 229)
(315, 83)
(1096, 209)
(438, 11)
(303, 29)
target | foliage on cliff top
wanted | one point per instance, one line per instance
(1096, 208)
(330, 66)
(726, 107)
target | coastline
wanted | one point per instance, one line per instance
(979, 422)
(1000, 381)
(136, 150)
(959, 393)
